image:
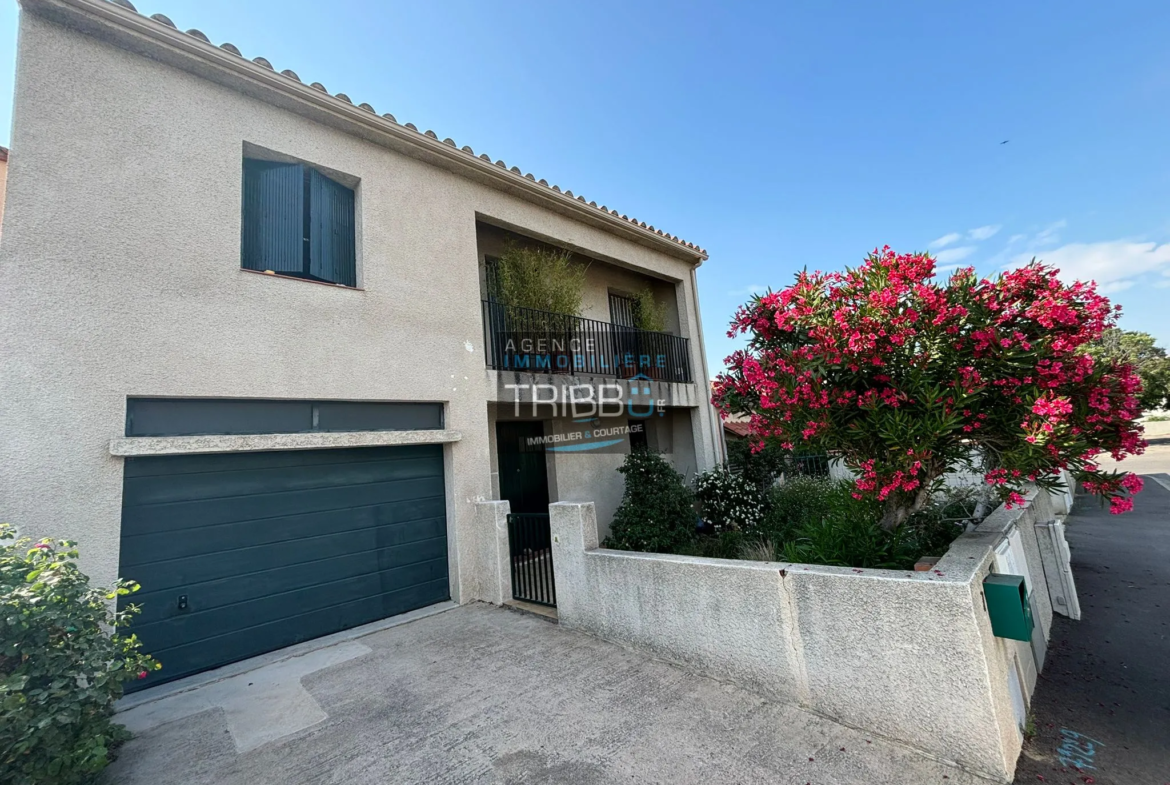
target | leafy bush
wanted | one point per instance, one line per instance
(61, 669)
(657, 512)
(1153, 366)
(728, 501)
(727, 544)
(757, 549)
(798, 501)
(818, 521)
(649, 314)
(906, 377)
(543, 279)
(761, 467)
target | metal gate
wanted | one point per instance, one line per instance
(530, 546)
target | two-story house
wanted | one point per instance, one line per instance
(252, 359)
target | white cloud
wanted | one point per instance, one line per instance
(1113, 287)
(955, 254)
(946, 239)
(750, 289)
(1112, 264)
(1050, 234)
(983, 232)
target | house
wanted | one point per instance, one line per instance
(251, 357)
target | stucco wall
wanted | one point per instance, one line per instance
(3, 188)
(120, 276)
(907, 655)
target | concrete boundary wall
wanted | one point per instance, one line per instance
(906, 655)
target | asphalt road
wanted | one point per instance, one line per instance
(1103, 701)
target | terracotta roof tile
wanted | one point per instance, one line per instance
(741, 428)
(194, 33)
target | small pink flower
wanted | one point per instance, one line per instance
(44, 546)
(142, 674)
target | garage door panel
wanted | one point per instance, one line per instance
(269, 549)
(204, 623)
(235, 482)
(162, 603)
(216, 462)
(206, 567)
(197, 540)
(195, 513)
(192, 658)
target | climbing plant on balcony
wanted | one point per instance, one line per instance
(649, 313)
(907, 378)
(543, 279)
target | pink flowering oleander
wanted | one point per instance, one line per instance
(906, 377)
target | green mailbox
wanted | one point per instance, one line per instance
(1008, 606)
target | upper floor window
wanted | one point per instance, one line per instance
(298, 222)
(623, 311)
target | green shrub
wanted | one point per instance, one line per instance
(728, 501)
(649, 314)
(799, 500)
(762, 467)
(60, 668)
(728, 544)
(757, 549)
(819, 521)
(543, 279)
(657, 512)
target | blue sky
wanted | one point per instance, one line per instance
(779, 135)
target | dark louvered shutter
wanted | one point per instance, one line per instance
(332, 255)
(273, 234)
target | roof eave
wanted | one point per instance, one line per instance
(129, 29)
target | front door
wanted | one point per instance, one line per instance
(523, 474)
(524, 483)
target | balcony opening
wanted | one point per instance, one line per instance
(605, 337)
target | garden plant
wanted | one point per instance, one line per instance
(907, 378)
(62, 664)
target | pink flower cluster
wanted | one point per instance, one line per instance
(904, 376)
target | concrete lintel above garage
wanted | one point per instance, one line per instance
(192, 445)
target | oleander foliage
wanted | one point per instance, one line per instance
(906, 379)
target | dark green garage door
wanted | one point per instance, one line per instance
(245, 553)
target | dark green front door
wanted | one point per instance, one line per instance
(523, 474)
(244, 553)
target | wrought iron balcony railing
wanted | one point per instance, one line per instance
(531, 341)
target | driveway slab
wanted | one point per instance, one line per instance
(480, 694)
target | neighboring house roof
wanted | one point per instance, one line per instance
(741, 428)
(124, 14)
(3, 153)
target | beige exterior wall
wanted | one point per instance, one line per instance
(3, 186)
(120, 276)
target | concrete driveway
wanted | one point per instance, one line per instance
(479, 694)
